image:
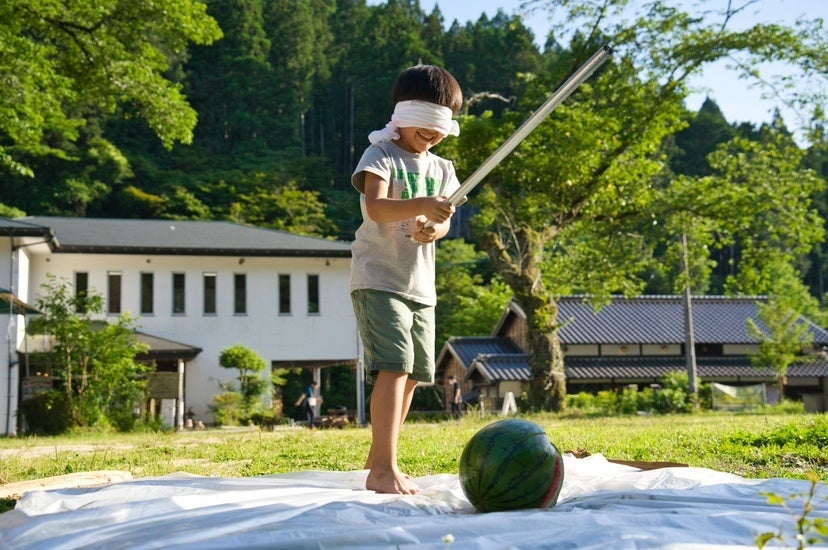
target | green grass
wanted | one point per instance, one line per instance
(750, 445)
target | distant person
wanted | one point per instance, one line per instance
(309, 400)
(402, 186)
(456, 396)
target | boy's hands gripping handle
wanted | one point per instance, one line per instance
(572, 83)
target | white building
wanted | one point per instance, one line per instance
(196, 288)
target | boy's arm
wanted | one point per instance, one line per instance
(381, 208)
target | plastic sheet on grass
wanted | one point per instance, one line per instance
(602, 505)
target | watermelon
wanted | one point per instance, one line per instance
(511, 465)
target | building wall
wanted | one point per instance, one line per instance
(516, 331)
(456, 368)
(299, 336)
(14, 269)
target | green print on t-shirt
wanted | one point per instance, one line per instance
(413, 184)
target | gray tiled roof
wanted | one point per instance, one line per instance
(502, 367)
(640, 320)
(22, 228)
(468, 348)
(660, 320)
(655, 367)
(516, 367)
(179, 237)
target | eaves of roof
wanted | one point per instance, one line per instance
(656, 320)
(467, 348)
(158, 346)
(515, 367)
(736, 367)
(21, 228)
(181, 238)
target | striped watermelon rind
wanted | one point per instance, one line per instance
(511, 465)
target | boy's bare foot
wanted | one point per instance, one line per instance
(390, 482)
(369, 465)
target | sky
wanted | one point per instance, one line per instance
(738, 102)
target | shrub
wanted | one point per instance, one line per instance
(227, 408)
(47, 413)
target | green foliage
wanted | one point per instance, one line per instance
(250, 365)
(673, 396)
(64, 61)
(94, 362)
(472, 299)
(228, 408)
(813, 433)
(583, 204)
(808, 532)
(46, 413)
(784, 337)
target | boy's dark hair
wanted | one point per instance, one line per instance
(428, 83)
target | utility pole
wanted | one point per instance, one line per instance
(689, 338)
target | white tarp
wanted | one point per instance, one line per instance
(603, 505)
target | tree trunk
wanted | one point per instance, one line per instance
(548, 381)
(522, 272)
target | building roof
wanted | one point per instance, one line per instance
(466, 349)
(731, 367)
(631, 321)
(169, 237)
(494, 368)
(164, 347)
(22, 228)
(660, 320)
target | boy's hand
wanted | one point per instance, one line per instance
(438, 209)
(423, 234)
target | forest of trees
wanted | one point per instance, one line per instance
(256, 111)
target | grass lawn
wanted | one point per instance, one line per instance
(750, 445)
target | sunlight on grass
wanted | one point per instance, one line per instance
(748, 445)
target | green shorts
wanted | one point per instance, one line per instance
(397, 334)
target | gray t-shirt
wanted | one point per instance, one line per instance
(384, 257)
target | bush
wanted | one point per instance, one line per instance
(672, 397)
(47, 413)
(266, 419)
(227, 408)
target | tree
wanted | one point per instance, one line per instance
(65, 61)
(472, 298)
(94, 361)
(249, 365)
(583, 202)
(784, 338)
(489, 55)
(707, 129)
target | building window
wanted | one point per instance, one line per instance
(178, 294)
(81, 291)
(147, 293)
(113, 294)
(239, 293)
(284, 294)
(313, 294)
(209, 294)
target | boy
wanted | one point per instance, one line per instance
(402, 185)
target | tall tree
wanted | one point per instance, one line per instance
(300, 54)
(487, 58)
(703, 133)
(580, 205)
(230, 83)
